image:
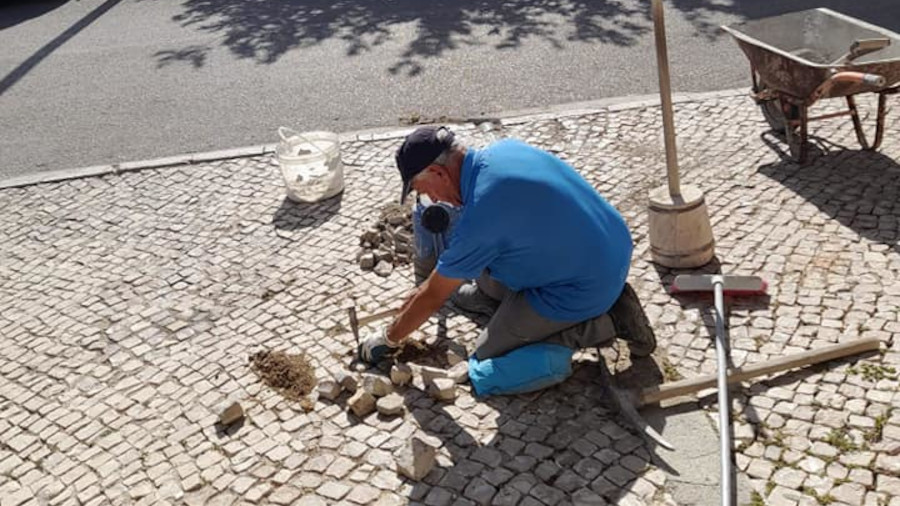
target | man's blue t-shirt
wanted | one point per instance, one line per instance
(539, 227)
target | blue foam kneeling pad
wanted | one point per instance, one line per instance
(526, 369)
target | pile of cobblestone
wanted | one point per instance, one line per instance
(389, 242)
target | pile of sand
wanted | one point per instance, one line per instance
(288, 373)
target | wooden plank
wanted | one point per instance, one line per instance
(684, 387)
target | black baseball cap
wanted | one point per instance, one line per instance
(418, 150)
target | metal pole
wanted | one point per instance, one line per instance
(724, 402)
(665, 93)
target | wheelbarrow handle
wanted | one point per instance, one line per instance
(846, 77)
(874, 80)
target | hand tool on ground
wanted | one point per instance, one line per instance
(627, 407)
(436, 220)
(356, 322)
(734, 285)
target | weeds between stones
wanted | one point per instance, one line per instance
(290, 374)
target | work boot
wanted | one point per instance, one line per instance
(470, 298)
(632, 324)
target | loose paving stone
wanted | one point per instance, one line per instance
(361, 403)
(459, 373)
(346, 380)
(429, 374)
(231, 414)
(384, 268)
(329, 389)
(390, 405)
(442, 389)
(367, 261)
(379, 386)
(401, 374)
(416, 459)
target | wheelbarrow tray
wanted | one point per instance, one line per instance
(795, 53)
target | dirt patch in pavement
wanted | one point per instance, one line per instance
(418, 352)
(290, 374)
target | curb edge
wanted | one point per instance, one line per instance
(508, 118)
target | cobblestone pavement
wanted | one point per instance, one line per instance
(129, 305)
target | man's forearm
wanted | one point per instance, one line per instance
(419, 308)
(421, 305)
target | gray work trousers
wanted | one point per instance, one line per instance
(516, 323)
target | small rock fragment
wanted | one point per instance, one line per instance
(459, 373)
(379, 386)
(401, 235)
(361, 403)
(442, 389)
(347, 381)
(367, 262)
(384, 268)
(384, 256)
(329, 389)
(396, 219)
(454, 358)
(431, 373)
(231, 414)
(390, 405)
(371, 236)
(401, 374)
(416, 460)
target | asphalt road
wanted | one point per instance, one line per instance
(87, 82)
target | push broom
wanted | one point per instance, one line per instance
(722, 285)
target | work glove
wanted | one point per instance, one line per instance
(375, 346)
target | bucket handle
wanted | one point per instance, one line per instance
(285, 132)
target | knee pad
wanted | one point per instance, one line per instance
(526, 369)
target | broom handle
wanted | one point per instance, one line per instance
(722, 387)
(665, 94)
(684, 387)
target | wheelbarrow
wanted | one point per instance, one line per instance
(800, 58)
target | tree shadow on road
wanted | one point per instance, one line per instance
(264, 31)
(26, 66)
(19, 11)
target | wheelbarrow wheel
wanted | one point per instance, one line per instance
(774, 117)
(779, 115)
(774, 112)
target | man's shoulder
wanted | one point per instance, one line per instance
(503, 145)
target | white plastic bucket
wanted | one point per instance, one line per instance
(310, 164)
